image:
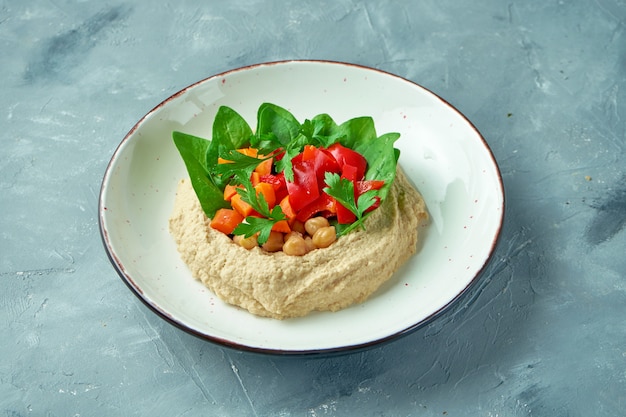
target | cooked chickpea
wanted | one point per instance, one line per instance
(314, 223)
(274, 242)
(324, 237)
(246, 242)
(298, 226)
(290, 234)
(308, 241)
(295, 245)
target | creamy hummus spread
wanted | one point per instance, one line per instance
(281, 286)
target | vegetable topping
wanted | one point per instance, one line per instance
(288, 186)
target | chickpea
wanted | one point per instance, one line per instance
(308, 241)
(274, 242)
(246, 242)
(324, 237)
(295, 245)
(298, 226)
(315, 223)
(290, 234)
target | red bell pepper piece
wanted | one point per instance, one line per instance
(278, 181)
(367, 185)
(304, 188)
(364, 186)
(324, 204)
(325, 162)
(347, 156)
(350, 172)
(344, 216)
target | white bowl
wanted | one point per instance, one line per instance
(442, 153)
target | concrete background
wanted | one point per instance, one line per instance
(543, 334)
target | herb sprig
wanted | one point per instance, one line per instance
(261, 225)
(342, 190)
(239, 167)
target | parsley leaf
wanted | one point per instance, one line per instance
(262, 225)
(342, 190)
(292, 149)
(240, 166)
(253, 225)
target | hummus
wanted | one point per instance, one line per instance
(282, 286)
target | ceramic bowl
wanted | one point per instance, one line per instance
(442, 153)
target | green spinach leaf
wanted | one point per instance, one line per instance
(381, 158)
(193, 150)
(230, 131)
(357, 131)
(278, 121)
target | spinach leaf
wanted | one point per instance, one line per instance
(230, 131)
(193, 150)
(278, 121)
(325, 131)
(357, 131)
(266, 143)
(381, 158)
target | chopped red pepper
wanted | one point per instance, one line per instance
(304, 188)
(364, 186)
(350, 172)
(346, 156)
(324, 204)
(344, 216)
(367, 185)
(304, 197)
(278, 181)
(325, 162)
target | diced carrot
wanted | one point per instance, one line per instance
(281, 226)
(268, 193)
(308, 152)
(241, 206)
(285, 205)
(255, 178)
(230, 191)
(251, 152)
(265, 167)
(226, 220)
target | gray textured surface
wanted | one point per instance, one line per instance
(544, 334)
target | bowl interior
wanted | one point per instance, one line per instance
(442, 153)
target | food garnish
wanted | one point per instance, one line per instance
(288, 185)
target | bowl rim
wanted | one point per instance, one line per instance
(352, 348)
